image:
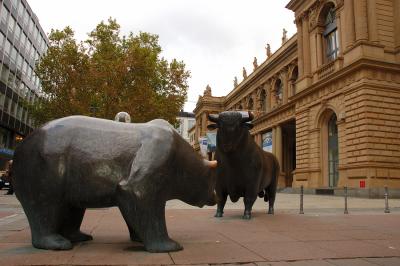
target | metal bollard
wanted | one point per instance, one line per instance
(386, 200)
(345, 201)
(301, 200)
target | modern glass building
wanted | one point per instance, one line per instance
(22, 43)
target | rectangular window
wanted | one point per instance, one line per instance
(26, 17)
(23, 40)
(11, 24)
(31, 26)
(7, 104)
(4, 74)
(21, 9)
(14, 3)
(13, 108)
(7, 49)
(18, 31)
(2, 96)
(10, 82)
(25, 67)
(19, 62)
(4, 14)
(2, 38)
(13, 56)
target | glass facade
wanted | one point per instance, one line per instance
(22, 43)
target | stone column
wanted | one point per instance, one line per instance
(320, 48)
(204, 120)
(340, 32)
(269, 98)
(360, 22)
(372, 21)
(349, 20)
(306, 47)
(274, 140)
(397, 24)
(285, 80)
(278, 149)
(300, 46)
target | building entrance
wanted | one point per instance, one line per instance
(289, 151)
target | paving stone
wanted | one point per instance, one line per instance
(384, 261)
(198, 253)
(351, 262)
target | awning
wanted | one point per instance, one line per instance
(7, 153)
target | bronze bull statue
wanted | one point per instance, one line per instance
(244, 169)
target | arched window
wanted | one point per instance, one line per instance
(240, 107)
(331, 35)
(279, 91)
(293, 79)
(333, 151)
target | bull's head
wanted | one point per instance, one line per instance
(232, 128)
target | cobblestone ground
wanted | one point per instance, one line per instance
(322, 236)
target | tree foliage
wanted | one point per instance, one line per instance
(107, 74)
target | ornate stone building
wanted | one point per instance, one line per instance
(328, 98)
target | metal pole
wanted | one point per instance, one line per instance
(345, 201)
(301, 200)
(386, 200)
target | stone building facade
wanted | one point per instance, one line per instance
(328, 98)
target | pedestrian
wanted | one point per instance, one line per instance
(8, 175)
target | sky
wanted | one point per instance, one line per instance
(215, 38)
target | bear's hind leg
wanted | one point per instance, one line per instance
(44, 222)
(71, 225)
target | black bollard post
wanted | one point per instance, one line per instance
(386, 200)
(345, 201)
(301, 200)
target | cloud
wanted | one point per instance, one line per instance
(215, 38)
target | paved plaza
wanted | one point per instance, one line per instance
(322, 236)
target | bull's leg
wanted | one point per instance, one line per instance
(44, 221)
(271, 192)
(71, 225)
(248, 205)
(221, 204)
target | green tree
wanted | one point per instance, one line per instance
(107, 74)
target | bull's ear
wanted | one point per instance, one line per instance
(248, 125)
(212, 126)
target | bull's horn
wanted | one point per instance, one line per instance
(247, 118)
(213, 118)
(211, 164)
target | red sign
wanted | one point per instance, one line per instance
(362, 183)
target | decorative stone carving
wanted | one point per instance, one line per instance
(235, 82)
(255, 64)
(207, 91)
(244, 73)
(268, 50)
(284, 36)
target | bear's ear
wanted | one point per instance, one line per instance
(212, 126)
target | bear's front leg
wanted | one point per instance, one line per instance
(147, 218)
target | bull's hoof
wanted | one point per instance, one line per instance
(52, 242)
(247, 216)
(163, 246)
(270, 211)
(78, 236)
(219, 214)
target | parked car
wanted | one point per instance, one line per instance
(3, 182)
